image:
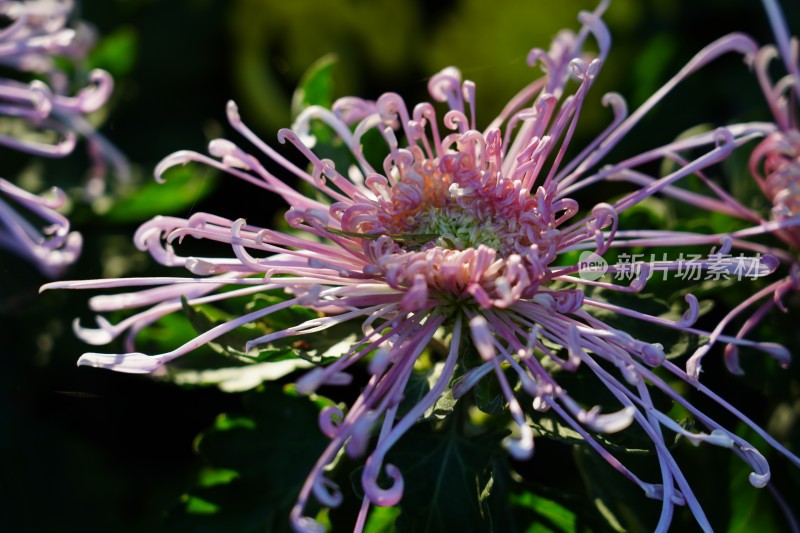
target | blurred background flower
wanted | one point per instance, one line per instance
(46, 99)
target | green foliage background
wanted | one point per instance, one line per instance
(85, 450)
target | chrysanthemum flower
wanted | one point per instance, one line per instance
(42, 118)
(462, 235)
(52, 248)
(775, 163)
(775, 166)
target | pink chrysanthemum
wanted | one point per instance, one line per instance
(775, 163)
(42, 118)
(461, 236)
(775, 166)
(51, 248)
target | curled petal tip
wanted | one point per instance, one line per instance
(759, 480)
(384, 497)
(721, 438)
(770, 263)
(760, 475)
(693, 365)
(103, 334)
(67, 144)
(180, 157)
(232, 111)
(616, 101)
(285, 134)
(327, 492)
(520, 449)
(690, 315)
(220, 147)
(329, 419)
(723, 137)
(53, 285)
(731, 356)
(94, 97)
(778, 352)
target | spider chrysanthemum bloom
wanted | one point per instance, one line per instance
(34, 35)
(775, 163)
(775, 166)
(51, 248)
(461, 236)
(39, 115)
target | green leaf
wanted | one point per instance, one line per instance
(321, 347)
(316, 85)
(487, 392)
(381, 520)
(239, 378)
(316, 89)
(518, 505)
(116, 52)
(419, 384)
(443, 406)
(285, 318)
(620, 502)
(650, 212)
(232, 343)
(317, 347)
(244, 369)
(166, 333)
(551, 427)
(258, 461)
(445, 474)
(183, 188)
(551, 515)
(489, 396)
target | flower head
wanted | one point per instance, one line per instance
(39, 116)
(52, 248)
(462, 235)
(775, 163)
(34, 37)
(775, 167)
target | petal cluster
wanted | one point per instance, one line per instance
(42, 117)
(462, 237)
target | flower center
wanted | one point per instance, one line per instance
(782, 178)
(443, 209)
(459, 228)
(454, 228)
